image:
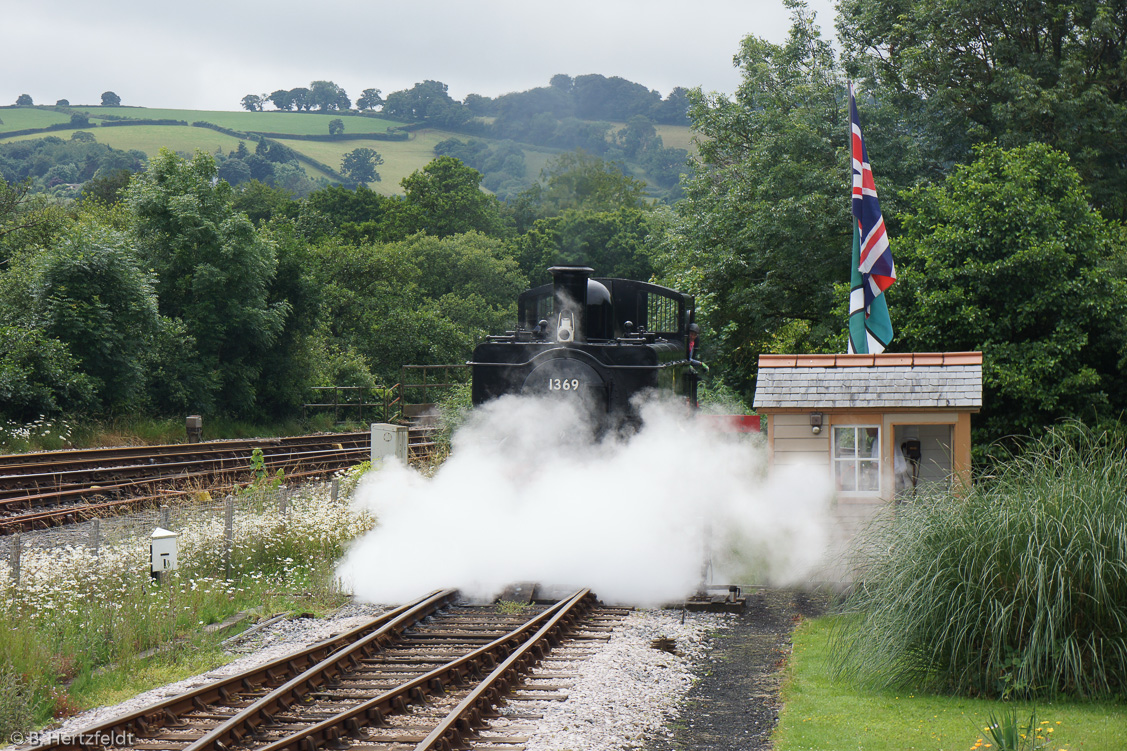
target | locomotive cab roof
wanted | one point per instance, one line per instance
(614, 308)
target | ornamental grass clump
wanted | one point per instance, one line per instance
(1016, 589)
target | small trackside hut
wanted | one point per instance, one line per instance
(883, 428)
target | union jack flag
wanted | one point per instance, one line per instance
(870, 329)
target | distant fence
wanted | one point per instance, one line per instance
(357, 403)
(420, 386)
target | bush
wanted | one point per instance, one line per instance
(1018, 589)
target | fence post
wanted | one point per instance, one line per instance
(283, 501)
(228, 533)
(96, 536)
(16, 550)
(165, 517)
(336, 490)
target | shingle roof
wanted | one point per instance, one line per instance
(945, 380)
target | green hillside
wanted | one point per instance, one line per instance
(306, 133)
(151, 138)
(20, 118)
(296, 123)
(401, 158)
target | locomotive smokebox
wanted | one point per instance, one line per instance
(570, 287)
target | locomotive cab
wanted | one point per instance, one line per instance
(599, 340)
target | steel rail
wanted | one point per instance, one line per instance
(29, 472)
(71, 481)
(67, 480)
(86, 511)
(168, 711)
(246, 721)
(465, 718)
(331, 731)
(330, 463)
(15, 461)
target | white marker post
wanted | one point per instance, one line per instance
(162, 552)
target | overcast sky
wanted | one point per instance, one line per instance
(208, 54)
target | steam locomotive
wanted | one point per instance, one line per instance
(601, 341)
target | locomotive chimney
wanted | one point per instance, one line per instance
(570, 286)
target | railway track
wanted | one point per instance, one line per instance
(62, 487)
(427, 675)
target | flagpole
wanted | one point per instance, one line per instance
(849, 181)
(849, 139)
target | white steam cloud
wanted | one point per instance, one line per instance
(528, 495)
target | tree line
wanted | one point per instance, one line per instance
(994, 138)
(180, 293)
(995, 161)
(569, 113)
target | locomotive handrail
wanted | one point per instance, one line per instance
(529, 363)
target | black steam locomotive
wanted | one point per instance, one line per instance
(598, 340)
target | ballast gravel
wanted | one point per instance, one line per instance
(629, 689)
(629, 692)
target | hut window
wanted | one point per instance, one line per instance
(856, 458)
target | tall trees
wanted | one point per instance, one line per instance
(980, 71)
(763, 232)
(300, 99)
(214, 273)
(613, 243)
(327, 96)
(423, 299)
(428, 101)
(1008, 256)
(444, 198)
(95, 298)
(369, 99)
(578, 180)
(359, 165)
(281, 99)
(24, 100)
(110, 99)
(253, 103)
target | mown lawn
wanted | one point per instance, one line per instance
(298, 123)
(824, 714)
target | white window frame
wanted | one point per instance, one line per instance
(856, 460)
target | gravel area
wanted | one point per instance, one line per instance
(629, 689)
(735, 704)
(717, 689)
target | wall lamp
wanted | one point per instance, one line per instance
(816, 422)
